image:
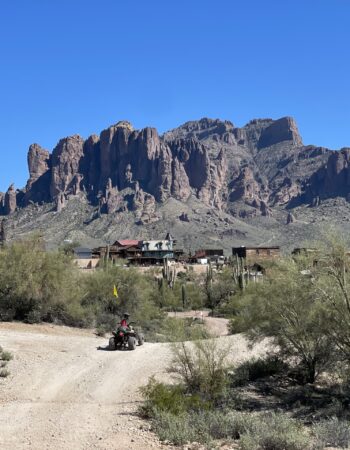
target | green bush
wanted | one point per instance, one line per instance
(257, 368)
(274, 432)
(331, 433)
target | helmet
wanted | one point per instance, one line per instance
(126, 314)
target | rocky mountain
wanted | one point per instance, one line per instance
(132, 182)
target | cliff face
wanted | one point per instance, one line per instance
(329, 181)
(244, 171)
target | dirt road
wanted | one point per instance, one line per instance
(65, 393)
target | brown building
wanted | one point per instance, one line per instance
(141, 252)
(120, 249)
(256, 253)
(207, 253)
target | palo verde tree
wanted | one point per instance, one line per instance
(331, 280)
(286, 307)
(38, 285)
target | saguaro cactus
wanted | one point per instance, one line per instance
(184, 296)
(169, 273)
(210, 274)
(238, 272)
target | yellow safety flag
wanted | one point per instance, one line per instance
(115, 291)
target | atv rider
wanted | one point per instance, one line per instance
(124, 324)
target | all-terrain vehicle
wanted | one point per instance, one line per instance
(125, 338)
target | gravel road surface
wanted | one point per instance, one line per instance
(66, 393)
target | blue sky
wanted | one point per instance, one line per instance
(77, 66)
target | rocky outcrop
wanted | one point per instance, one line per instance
(286, 191)
(218, 181)
(38, 163)
(246, 188)
(284, 129)
(10, 204)
(203, 129)
(331, 180)
(66, 159)
(60, 202)
(90, 165)
(3, 233)
(290, 218)
(144, 206)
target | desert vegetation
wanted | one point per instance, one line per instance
(302, 308)
(5, 357)
(295, 397)
(38, 285)
(211, 402)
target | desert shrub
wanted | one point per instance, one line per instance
(199, 426)
(253, 432)
(176, 330)
(34, 316)
(105, 323)
(256, 368)
(6, 356)
(160, 397)
(4, 373)
(274, 432)
(68, 248)
(331, 433)
(202, 368)
(178, 429)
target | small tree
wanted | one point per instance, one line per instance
(331, 280)
(287, 309)
(36, 284)
(219, 288)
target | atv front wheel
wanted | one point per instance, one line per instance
(111, 344)
(131, 343)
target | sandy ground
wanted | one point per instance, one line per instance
(217, 326)
(65, 393)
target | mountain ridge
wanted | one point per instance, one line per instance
(262, 169)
